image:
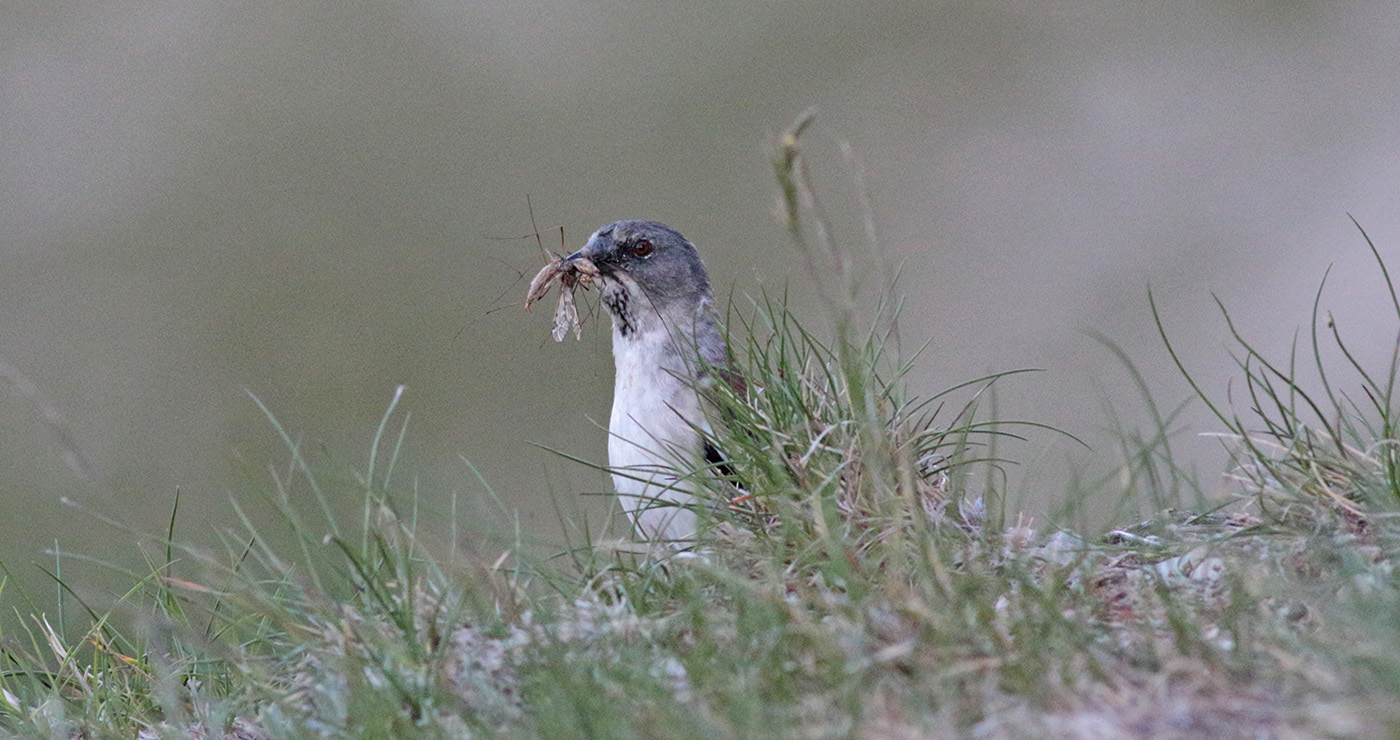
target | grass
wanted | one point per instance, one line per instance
(865, 581)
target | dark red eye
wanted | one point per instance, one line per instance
(642, 247)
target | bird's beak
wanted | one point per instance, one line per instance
(588, 254)
(595, 248)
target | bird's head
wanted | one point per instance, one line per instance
(649, 257)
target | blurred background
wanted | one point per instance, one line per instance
(315, 202)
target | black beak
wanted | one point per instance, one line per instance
(591, 252)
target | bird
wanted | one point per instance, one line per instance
(668, 349)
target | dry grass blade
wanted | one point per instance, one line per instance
(49, 415)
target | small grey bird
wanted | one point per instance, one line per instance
(666, 344)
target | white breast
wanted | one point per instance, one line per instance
(652, 435)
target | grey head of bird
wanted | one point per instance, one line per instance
(647, 268)
(655, 284)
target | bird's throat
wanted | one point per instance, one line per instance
(618, 300)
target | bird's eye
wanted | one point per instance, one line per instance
(642, 247)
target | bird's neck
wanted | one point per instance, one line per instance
(651, 334)
(663, 344)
